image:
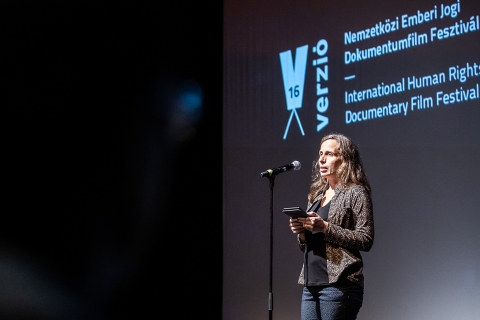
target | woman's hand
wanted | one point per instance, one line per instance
(296, 225)
(314, 223)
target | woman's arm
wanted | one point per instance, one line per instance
(353, 226)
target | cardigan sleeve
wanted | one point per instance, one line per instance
(352, 224)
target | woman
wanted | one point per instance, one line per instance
(339, 226)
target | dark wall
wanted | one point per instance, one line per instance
(108, 167)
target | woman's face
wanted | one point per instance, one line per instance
(329, 159)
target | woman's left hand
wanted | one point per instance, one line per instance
(315, 223)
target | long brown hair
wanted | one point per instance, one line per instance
(349, 172)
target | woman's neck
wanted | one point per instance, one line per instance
(333, 183)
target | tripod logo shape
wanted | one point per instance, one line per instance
(294, 82)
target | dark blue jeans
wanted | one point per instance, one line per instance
(331, 303)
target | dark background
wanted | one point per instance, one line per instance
(105, 188)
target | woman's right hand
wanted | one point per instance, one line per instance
(296, 225)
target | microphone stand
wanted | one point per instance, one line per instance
(270, 294)
(271, 174)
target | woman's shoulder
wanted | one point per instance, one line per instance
(353, 193)
(356, 189)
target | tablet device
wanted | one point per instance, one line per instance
(295, 212)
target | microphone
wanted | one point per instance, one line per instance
(295, 165)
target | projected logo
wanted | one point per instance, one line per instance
(294, 82)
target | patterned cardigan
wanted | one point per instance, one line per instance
(350, 230)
